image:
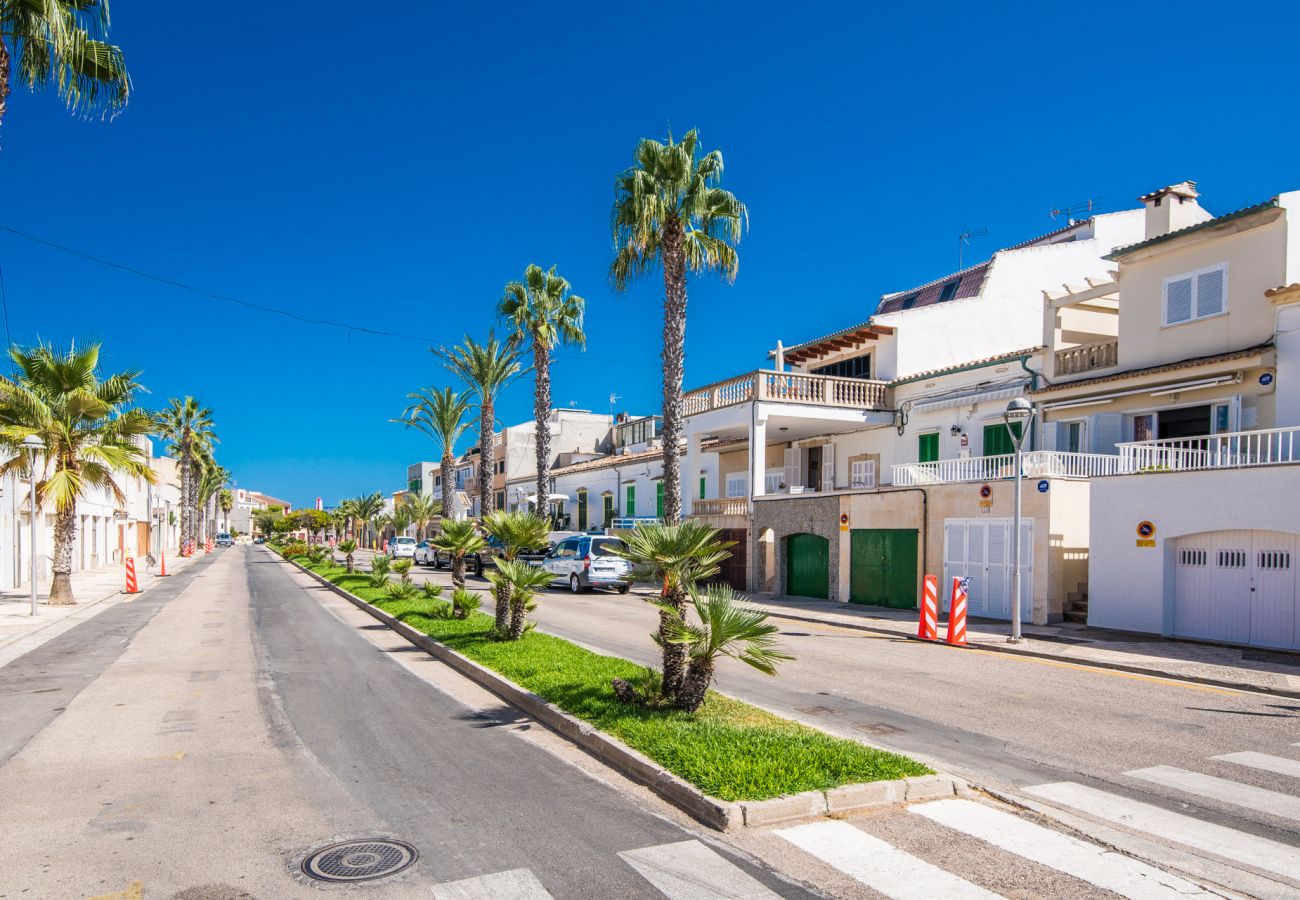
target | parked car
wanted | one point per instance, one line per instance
(423, 554)
(401, 547)
(585, 561)
(259, 540)
(475, 562)
(223, 538)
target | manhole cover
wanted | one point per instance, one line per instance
(818, 711)
(361, 860)
(879, 728)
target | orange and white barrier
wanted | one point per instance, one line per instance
(957, 612)
(207, 546)
(929, 627)
(131, 586)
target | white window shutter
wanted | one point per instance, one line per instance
(828, 467)
(792, 475)
(1209, 293)
(862, 473)
(1178, 301)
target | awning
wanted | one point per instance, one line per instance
(554, 498)
(968, 398)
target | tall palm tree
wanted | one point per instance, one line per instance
(669, 210)
(441, 415)
(226, 500)
(677, 555)
(727, 627)
(58, 43)
(422, 509)
(546, 315)
(487, 369)
(187, 427)
(90, 435)
(211, 482)
(516, 532)
(365, 508)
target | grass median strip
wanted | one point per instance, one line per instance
(728, 749)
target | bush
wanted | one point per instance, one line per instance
(403, 568)
(465, 603)
(400, 590)
(293, 549)
(431, 591)
(379, 571)
(317, 553)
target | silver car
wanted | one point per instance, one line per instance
(401, 548)
(585, 561)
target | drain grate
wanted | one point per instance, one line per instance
(880, 728)
(362, 860)
(818, 711)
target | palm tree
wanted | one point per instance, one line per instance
(677, 555)
(422, 509)
(211, 483)
(516, 532)
(668, 209)
(487, 369)
(57, 43)
(187, 427)
(348, 547)
(441, 415)
(226, 500)
(363, 509)
(545, 314)
(89, 432)
(521, 582)
(459, 538)
(727, 627)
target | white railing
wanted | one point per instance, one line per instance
(724, 506)
(1231, 450)
(1074, 360)
(788, 387)
(1037, 464)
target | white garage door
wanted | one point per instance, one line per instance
(981, 550)
(1238, 586)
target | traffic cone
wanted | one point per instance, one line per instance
(929, 627)
(131, 586)
(162, 563)
(957, 612)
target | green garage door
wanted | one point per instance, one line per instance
(882, 567)
(807, 566)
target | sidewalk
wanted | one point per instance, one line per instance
(1247, 668)
(95, 590)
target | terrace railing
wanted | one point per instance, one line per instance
(1087, 357)
(723, 506)
(1231, 450)
(788, 387)
(1037, 464)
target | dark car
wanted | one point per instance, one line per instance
(474, 562)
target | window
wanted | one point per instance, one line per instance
(1144, 427)
(862, 473)
(1071, 437)
(629, 493)
(1196, 295)
(738, 484)
(857, 367)
(997, 440)
(501, 499)
(659, 499)
(702, 481)
(608, 507)
(772, 480)
(909, 302)
(928, 447)
(949, 290)
(414, 485)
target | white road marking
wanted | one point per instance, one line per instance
(1087, 862)
(1279, 764)
(688, 870)
(1223, 790)
(514, 884)
(1261, 853)
(880, 866)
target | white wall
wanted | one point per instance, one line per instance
(1127, 585)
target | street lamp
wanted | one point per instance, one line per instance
(1020, 413)
(33, 445)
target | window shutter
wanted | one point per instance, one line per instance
(828, 467)
(1209, 293)
(1106, 431)
(1178, 301)
(862, 473)
(792, 476)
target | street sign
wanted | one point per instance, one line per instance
(1043, 486)
(1146, 529)
(986, 491)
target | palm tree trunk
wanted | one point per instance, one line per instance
(187, 478)
(448, 487)
(4, 80)
(518, 615)
(486, 459)
(674, 360)
(542, 410)
(457, 571)
(502, 594)
(696, 685)
(65, 535)
(674, 655)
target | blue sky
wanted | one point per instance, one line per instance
(396, 170)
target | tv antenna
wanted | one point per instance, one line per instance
(613, 398)
(963, 240)
(1069, 211)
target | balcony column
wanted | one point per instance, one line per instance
(691, 474)
(757, 453)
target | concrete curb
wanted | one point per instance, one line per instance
(1088, 663)
(717, 814)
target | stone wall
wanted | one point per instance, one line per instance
(787, 515)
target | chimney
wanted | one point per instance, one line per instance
(1172, 208)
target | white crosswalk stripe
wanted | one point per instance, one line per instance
(1087, 862)
(515, 884)
(1260, 853)
(1223, 790)
(879, 865)
(691, 871)
(1279, 765)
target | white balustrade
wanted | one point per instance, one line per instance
(1231, 450)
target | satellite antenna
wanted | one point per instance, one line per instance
(963, 240)
(1069, 211)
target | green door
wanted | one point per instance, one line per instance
(629, 508)
(659, 499)
(807, 566)
(997, 440)
(582, 510)
(882, 567)
(609, 508)
(928, 447)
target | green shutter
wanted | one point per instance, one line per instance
(659, 499)
(701, 487)
(582, 510)
(997, 440)
(928, 447)
(609, 509)
(629, 508)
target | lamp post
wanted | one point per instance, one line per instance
(1018, 412)
(33, 445)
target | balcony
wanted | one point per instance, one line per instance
(1037, 464)
(788, 387)
(1077, 360)
(1231, 450)
(725, 506)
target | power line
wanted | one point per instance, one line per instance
(180, 285)
(4, 302)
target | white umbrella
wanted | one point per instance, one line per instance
(554, 498)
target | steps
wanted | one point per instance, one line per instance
(1076, 605)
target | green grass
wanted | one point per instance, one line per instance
(728, 749)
